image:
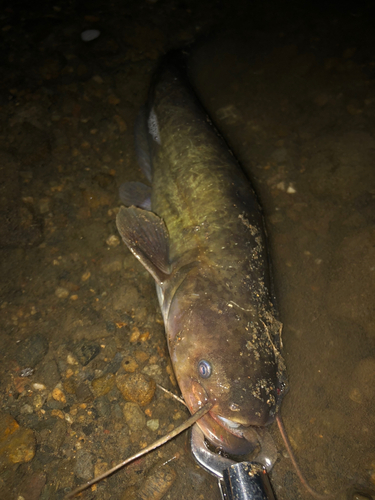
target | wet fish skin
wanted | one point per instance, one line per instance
(205, 245)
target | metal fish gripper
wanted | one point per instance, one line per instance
(236, 480)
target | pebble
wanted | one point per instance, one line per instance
(113, 241)
(103, 385)
(85, 276)
(89, 35)
(49, 373)
(58, 435)
(58, 395)
(32, 351)
(157, 484)
(153, 424)
(84, 467)
(39, 387)
(155, 372)
(129, 364)
(17, 444)
(27, 410)
(70, 386)
(83, 393)
(39, 400)
(115, 364)
(134, 416)
(135, 335)
(61, 292)
(103, 407)
(86, 351)
(32, 486)
(136, 387)
(71, 360)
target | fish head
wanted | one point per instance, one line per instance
(228, 356)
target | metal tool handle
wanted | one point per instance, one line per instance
(246, 481)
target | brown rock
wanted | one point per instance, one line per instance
(103, 385)
(136, 387)
(17, 444)
(157, 484)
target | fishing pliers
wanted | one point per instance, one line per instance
(237, 480)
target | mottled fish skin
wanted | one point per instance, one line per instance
(205, 245)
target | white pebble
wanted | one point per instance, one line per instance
(153, 424)
(61, 293)
(113, 240)
(39, 387)
(89, 35)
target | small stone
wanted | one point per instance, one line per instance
(157, 483)
(103, 385)
(129, 364)
(136, 387)
(39, 400)
(134, 337)
(58, 395)
(89, 35)
(27, 410)
(103, 406)
(32, 486)
(49, 374)
(115, 364)
(86, 351)
(58, 414)
(141, 356)
(71, 360)
(113, 240)
(70, 386)
(100, 468)
(61, 293)
(17, 444)
(58, 435)
(134, 416)
(83, 393)
(84, 468)
(153, 424)
(85, 276)
(155, 372)
(32, 351)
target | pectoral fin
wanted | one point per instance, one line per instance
(146, 236)
(137, 194)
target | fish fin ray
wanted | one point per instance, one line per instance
(146, 236)
(135, 193)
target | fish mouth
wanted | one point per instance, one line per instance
(228, 435)
(232, 426)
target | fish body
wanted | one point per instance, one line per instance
(204, 243)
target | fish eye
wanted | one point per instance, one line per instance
(204, 368)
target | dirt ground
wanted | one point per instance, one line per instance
(291, 87)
